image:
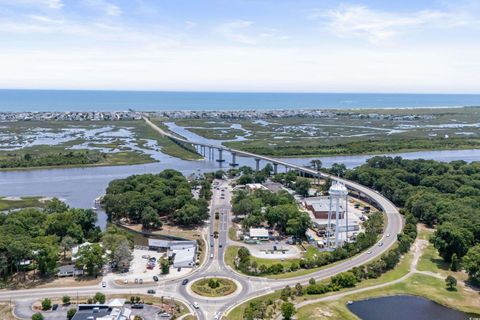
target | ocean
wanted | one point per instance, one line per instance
(91, 100)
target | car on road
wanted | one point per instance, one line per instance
(369, 252)
(220, 245)
(104, 284)
(137, 306)
(155, 278)
(211, 255)
(222, 198)
(388, 235)
(380, 244)
(211, 245)
(125, 281)
(54, 307)
(185, 281)
(217, 316)
(195, 305)
(151, 291)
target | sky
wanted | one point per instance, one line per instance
(408, 46)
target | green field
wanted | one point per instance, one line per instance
(225, 287)
(20, 203)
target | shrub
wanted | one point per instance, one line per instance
(46, 304)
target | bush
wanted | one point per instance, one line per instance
(37, 316)
(66, 300)
(70, 313)
(99, 297)
(46, 304)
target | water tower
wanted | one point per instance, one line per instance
(338, 194)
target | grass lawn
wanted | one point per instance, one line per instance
(420, 285)
(225, 287)
(20, 203)
(232, 234)
(401, 270)
(232, 251)
(432, 262)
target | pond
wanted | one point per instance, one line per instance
(403, 308)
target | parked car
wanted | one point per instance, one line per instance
(54, 307)
(104, 284)
(155, 278)
(125, 281)
(185, 281)
(137, 306)
(151, 291)
(140, 281)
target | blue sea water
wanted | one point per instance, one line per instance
(91, 100)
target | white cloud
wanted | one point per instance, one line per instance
(190, 25)
(353, 21)
(235, 31)
(50, 4)
(106, 7)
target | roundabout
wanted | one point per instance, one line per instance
(214, 287)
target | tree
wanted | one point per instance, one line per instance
(451, 239)
(99, 297)
(286, 293)
(455, 265)
(302, 186)
(451, 283)
(311, 281)
(165, 266)
(46, 304)
(471, 263)
(150, 219)
(345, 280)
(67, 244)
(338, 169)
(90, 257)
(316, 164)
(37, 316)
(299, 289)
(66, 300)
(71, 313)
(288, 310)
(123, 255)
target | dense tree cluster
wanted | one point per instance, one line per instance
(278, 210)
(40, 235)
(445, 195)
(27, 160)
(149, 198)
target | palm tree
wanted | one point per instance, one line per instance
(316, 164)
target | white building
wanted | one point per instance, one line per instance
(183, 252)
(259, 234)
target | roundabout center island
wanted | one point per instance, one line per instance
(214, 287)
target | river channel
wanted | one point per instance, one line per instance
(80, 186)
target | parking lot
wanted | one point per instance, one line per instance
(140, 273)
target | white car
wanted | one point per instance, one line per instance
(369, 252)
(104, 284)
(195, 305)
(217, 316)
(125, 281)
(388, 235)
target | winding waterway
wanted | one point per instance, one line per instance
(80, 186)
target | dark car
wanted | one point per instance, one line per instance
(185, 281)
(155, 278)
(151, 291)
(55, 307)
(137, 306)
(220, 245)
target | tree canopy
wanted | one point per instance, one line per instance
(149, 198)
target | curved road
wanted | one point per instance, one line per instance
(250, 287)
